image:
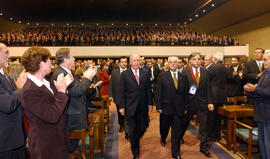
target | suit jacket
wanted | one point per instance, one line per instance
(12, 131)
(169, 99)
(235, 84)
(218, 78)
(77, 109)
(46, 115)
(262, 100)
(251, 72)
(133, 95)
(104, 76)
(203, 95)
(115, 85)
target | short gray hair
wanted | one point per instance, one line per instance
(193, 54)
(171, 58)
(134, 55)
(218, 56)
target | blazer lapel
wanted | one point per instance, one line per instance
(202, 74)
(132, 75)
(171, 79)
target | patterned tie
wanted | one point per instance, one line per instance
(137, 77)
(175, 80)
(198, 77)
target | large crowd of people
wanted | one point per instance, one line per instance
(134, 35)
(53, 95)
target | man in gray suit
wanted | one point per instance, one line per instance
(77, 109)
(12, 130)
(114, 89)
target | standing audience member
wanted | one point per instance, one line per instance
(76, 110)
(105, 77)
(261, 92)
(218, 80)
(44, 102)
(12, 131)
(135, 101)
(171, 104)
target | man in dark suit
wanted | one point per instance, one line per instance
(199, 99)
(218, 80)
(171, 104)
(135, 101)
(12, 130)
(208, 61)
(114, 89)
(253, 71)
(261, 92)
(143, 65)
(77, 108)
(235, 78)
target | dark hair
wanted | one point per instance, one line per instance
(236, 57)
(193, 54)
(32, 58)
(61, 54)
(260, 49)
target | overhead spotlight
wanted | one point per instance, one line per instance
(82, 24)
(213, 5)
(204, 10)
(126, 24)
(10, 18)
(1, 13)
(19, 22)
(141, 24)
(196, 15)
(155, 24)
(190, 19)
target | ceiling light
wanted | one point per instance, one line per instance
(28, 23)
(196, 15)
(112, 24)
(170, 24)
(37, 24)
(141, 24)
(178, 24)
(19, 22)
(1, 13)
(82, 24)
(185, 23)
(155, 24)
(190, 19)
(213, 5)
(126, 24)
(67, 24)
(204, 10)
(97, 24)
(11, 18)
(52, 24)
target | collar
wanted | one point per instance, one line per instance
(122, 70)
(2, 71)
(40, 83)
(176, 73)
(68, 71)
(134, 71)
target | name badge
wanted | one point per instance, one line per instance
(193, 89)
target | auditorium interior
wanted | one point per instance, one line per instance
(100, 34)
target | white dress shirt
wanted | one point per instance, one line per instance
(40, 83)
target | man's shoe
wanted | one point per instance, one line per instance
(206, 153)
(163, 142)
(182, 141)
(121, 130)
(177, 157)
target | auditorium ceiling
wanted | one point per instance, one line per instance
(104, 11)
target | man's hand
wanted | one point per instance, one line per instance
(150, 108)
(259, 75)
(160, 111)
(69, 79)
(210, 107)
(250, 87)
(21, 80)
(122, 111)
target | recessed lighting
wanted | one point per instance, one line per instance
(213, 5)
(204, 10)
(190, 19)
(1, 13)
(10, 18)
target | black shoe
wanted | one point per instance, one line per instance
(163, 142)
(136, 157)
(121, 130)
(206, 153)
(126, 136)
(177, 157)
(182, 141)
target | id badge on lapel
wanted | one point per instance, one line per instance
(193, 89)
